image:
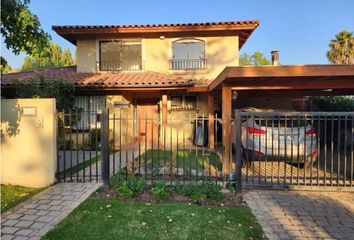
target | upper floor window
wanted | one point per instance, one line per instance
(188, 54)
(120, 55)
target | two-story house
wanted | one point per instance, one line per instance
(175, 71)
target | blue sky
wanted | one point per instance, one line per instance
(300, 29)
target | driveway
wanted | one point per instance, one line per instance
(303, 214)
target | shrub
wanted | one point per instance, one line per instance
(125, 190)
(189, 189)
(159, 190)
(127, 186)
(199, 197)
(211, 190)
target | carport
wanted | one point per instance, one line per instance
(273, 81)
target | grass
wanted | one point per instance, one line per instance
(116, 219)
(184, 159)
(12, 195)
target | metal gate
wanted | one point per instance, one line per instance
(78, 146)
(294, 149)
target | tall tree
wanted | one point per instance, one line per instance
(342, 48)
(21, 29)
(55, 58)
(257, 58)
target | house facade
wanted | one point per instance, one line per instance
(170, 72)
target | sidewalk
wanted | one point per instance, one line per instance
(36, 216)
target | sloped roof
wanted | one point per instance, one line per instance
(243, 29)
(121, 79)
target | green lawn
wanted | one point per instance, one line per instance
(13, 195)
(116, 219)
(184, 158)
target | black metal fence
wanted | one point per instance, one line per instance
(95, 145)
(287, 149)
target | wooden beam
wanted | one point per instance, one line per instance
(300, 83)
(226, 128)
(211, 120)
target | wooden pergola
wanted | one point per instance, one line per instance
(306, 80)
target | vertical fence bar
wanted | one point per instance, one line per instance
(105, 146)
(146, 151)
(238, 151)
(77, 145)
(318, 142)
(152, 148)
(158, 146)
(338, 152)
(285, 148)
(332, 148)
(83, 144)
(114, 143)
(352, 153)
(203, 147)
(71, 146)
(184, 151)
(298, 149)
(64, 146)
(90, 142)
(325, 150)
(345, 151)
(216, 144)
(292, 151)
(139, 142)
(311, 155)
(96, 140)
(120, 139)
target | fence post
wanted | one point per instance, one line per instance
(238, 122)
(105, 146)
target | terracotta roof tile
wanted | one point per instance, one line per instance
(244, 22)
(117, 79)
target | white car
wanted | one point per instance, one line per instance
(275, 139)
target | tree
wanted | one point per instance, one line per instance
(5, 67)
(55, 58)
(341, 48)
(21, 29)
(257, 58)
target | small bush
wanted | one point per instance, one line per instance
(211, 190)
(199, 197)
(189, 189)
(127, 186)
(159, 190)
(124, 190)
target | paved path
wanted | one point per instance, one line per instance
(37, 215)
(303, 214)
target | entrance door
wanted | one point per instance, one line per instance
(148, 119)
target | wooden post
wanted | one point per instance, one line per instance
(226, 127)
(211, 120)
(164, 110)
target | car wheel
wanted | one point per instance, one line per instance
(246, 162)
(308, 162)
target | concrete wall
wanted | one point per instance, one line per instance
(156, 53)
(28, 143)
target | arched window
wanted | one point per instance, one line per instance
(188, 54)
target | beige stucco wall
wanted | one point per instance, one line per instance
(28, 147)
(156, 53)
(86, 55)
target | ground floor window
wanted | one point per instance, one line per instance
(183, 103)
(90, 108)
